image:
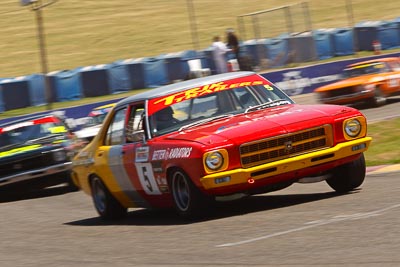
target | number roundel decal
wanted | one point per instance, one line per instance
(146, 178)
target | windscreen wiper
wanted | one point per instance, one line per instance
(203, 121)
(269, 104)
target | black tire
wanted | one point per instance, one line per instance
(189, 201)
(106, 205)
(379, 98)
(349, 176)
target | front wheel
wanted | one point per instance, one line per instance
(379, 98)
(348, 176)
(188, 199)
(106, 205)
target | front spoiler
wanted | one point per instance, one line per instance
(241, 176)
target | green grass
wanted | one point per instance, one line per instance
(84, 32)
(385, 143)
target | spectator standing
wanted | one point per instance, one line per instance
(232, 42)
(219, 50)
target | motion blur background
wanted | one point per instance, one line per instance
(85, 32)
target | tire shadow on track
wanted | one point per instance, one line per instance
(12, 195)
(256, 203)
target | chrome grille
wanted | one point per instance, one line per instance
(289, 145)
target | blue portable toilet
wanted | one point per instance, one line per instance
(118, 77)
(389, 35)
(94, 80)
(324, 43)
(15, 93)
(147, 72)
(2, 109)
(208, 60)
(397, 21)
(278, 51)
(301, 47)
(66, 85)
(366, 33)
(343, 41)
(135, 68)
(155, 72)
(205, 62)
(177, 64)
(256, 50)
(37, 91)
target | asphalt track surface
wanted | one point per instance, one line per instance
(303, 225)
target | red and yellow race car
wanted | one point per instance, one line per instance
(188, 144)
(369, 81)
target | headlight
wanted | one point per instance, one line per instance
(216, 160)
(354, 127)
(59, 155)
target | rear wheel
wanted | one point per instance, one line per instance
(106, 205)
(188, 199)
(348, 176)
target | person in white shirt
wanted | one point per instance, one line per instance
(219, 55)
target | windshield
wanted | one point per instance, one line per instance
(364, 69)
(97, 115)
(95, 120)
(215, 106)
(28, 132)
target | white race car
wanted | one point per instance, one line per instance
(94, 121)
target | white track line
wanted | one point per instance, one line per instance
(313, 224)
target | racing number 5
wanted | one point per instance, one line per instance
(146, 178)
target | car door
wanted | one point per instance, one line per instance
(136, 159)
(107, 157)
(110, 161)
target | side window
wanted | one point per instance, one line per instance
(116, 129)
(135, 130)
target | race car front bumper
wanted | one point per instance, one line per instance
(234, 178)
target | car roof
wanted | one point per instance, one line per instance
(182, 86)
(385, 59)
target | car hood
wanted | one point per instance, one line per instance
(262, 124)
(350, 82)
(25, 150)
